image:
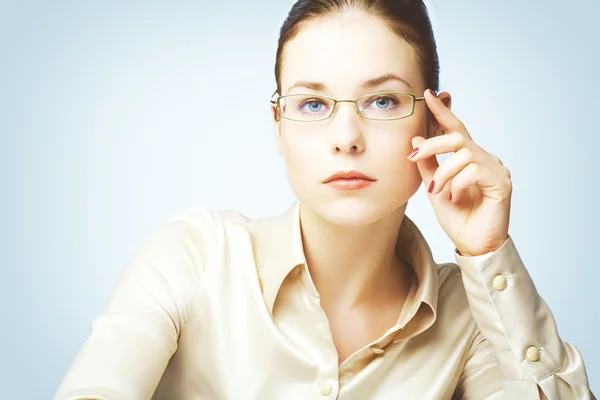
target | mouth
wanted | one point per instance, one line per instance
(349, 180)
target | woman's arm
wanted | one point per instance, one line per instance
(517, 332)
(131, 343)
(471, 195)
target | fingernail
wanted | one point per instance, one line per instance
(431, 185)
(450, 196)
(432, 92)
(413, 153)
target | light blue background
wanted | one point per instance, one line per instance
(115, 116)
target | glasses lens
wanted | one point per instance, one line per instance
(386, 105)
(305, 107)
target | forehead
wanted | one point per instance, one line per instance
(344, 50)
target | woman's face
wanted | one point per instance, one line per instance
(340, 53)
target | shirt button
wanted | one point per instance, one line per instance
(377, 350)
(533, 353)
(500, 282)
(326, 389)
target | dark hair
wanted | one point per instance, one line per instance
(407, 18)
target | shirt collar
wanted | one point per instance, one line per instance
(278, 250)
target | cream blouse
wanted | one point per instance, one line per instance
(215, 306)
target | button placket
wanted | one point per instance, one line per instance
(325, 389)
(344, 378)
(328, 389)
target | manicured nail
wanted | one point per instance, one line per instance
(431, 185)
(413, 153)
(450, 196)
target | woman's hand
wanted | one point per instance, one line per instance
(471, 191)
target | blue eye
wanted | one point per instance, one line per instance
(314, 106)
(382, 102)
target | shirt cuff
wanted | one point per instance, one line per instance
(510, 313)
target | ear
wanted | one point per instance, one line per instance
(277, 125)
(434, 126)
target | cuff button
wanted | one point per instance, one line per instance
(499, 282)
(533, 353)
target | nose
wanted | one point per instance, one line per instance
(347, 135)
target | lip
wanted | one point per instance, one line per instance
(350, 175)
(349, 180)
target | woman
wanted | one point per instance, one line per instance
(340, 298)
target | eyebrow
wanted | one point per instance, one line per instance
(318, 86)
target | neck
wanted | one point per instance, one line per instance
(353, 266)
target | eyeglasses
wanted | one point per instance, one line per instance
(382, 106)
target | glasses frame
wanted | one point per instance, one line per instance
(277, 100)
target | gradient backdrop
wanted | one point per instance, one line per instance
(117, 115)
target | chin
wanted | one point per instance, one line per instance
(353, 210)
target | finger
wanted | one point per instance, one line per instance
(465, 179)
(503, 168)
(426, 166)
(458, 162)
(454, 142)
(446, 118)
(485, 178)
(496, 159)
(450, 168)
(448, 143)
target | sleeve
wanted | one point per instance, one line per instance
(130, 345)
(517, 340)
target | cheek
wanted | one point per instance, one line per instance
(397, 170)
(400, 176)
(302, 157)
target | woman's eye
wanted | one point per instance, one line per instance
(313, 106)
(383, 102)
